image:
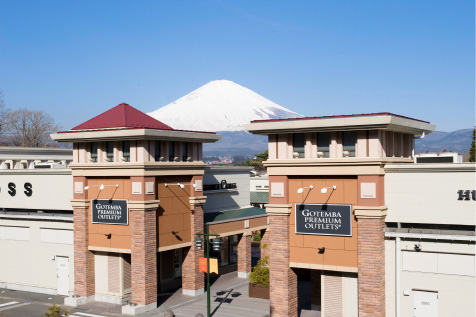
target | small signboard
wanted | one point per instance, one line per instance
(110, 211)
(324, 219)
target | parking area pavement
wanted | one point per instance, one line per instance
(19, 303)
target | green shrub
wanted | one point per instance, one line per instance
(57, 311)
(257, 236)
(260, 274)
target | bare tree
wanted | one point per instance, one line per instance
(29, 128)
(3, 116)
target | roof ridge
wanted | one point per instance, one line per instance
(124, 109)
(122, 116)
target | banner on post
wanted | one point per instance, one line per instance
(214, 266)
(202, 265)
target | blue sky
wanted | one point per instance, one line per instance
(76, 59)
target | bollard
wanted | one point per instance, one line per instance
(169, 313)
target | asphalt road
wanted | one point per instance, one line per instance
(27, 304)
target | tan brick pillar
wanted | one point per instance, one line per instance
(264, 243)
(283, 279)
(244, 255)
(192, 280)
(143, 220)
(84, 284)
(371, 260)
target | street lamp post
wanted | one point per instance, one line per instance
(216, 247)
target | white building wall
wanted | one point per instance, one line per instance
(428, 193)
(220, 200)
(441, 266)
(390, 277)
(29, 248)
(52, 189)
(259, 184)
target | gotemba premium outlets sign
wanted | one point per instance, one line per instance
(324, 219)
(110, 211)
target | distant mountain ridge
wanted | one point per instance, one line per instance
(236, 143)
(437, 141)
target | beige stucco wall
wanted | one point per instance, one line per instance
(30, 263)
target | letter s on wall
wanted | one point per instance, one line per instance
(12, 191)
(28, 189)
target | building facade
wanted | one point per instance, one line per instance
(139, 196)
(430, 239)
(328, 208)
(36, 223)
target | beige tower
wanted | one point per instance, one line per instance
(138, 197)
(327, 209)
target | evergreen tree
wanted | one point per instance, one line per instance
(472, 149)
(257, 162)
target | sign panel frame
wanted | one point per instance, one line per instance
(296, 221)
(122, 202)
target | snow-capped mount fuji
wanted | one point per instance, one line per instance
(220, 105)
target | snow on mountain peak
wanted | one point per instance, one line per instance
(220, 105)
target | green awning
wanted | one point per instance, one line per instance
(259, 197)
(235, 214)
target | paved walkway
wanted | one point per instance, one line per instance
(229, 297)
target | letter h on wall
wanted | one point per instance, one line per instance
(465, 194)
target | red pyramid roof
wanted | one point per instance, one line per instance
(122, 116)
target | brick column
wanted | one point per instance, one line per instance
(84, 285)
(264, 243)
(244, 255)
(283, 279)
(143, 220)
(371, 260)
(192, 280)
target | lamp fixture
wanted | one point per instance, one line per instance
(101, 187)
(300, 190)
(324, 189)
(108, 235)
(198, 243)
(180, 185)
(418, 247)
(216, 244)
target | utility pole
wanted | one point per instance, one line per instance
(216, 247)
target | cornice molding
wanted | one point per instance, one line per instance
(344, 161)
(80, 203)
(197, 200)
(431, 168)
(370, 211)
(142, 205)
(278, 209)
